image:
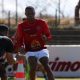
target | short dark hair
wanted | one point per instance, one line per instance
(29, 8)
(3, 28)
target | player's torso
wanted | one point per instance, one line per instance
(33, 34)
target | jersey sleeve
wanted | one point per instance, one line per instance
(46, 30)
(18, 38)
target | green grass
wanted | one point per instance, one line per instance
(40, 79)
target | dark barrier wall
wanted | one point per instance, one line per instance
(65, 37)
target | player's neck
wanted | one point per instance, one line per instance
(31, 20)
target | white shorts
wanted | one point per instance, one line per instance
(38, 54)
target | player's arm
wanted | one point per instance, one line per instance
(18, 38)
(47, 35)
(10, 58)
(20, 56)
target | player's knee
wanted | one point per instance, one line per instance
(46, 67)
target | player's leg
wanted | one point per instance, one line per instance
(32, 64)
(44, 59)
(3, 72)
(41, 68)
(44, 62)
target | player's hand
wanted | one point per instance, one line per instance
(20, 56)
(22, 50)
(44, 38)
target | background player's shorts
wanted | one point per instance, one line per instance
(38, 54)
(2, 70)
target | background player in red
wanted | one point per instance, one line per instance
(33, 34)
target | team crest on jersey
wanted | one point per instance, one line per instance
(35, 44)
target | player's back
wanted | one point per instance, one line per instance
(3, 46)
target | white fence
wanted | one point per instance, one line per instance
(65, 60)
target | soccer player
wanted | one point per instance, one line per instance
(33, 34)
(6, 48)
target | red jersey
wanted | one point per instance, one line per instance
(31, 35)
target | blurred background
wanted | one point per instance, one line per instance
(62, 17)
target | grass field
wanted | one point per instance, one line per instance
(60, 79)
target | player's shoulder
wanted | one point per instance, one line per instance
(19, 24)
(41, 21)
(5, 39)
(22, 24)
